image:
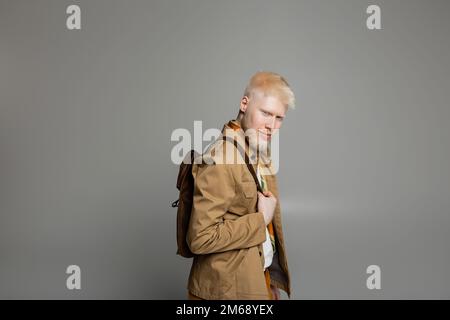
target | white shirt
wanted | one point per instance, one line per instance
(268, 250)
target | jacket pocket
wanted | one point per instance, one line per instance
(249, 196)
(249, 189)
(246, 199)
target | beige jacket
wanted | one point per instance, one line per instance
(226, 232)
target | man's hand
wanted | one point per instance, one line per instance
(266, 205)
(275, 292)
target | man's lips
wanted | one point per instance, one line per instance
(267, 135)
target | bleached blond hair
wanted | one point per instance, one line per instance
(265, 83)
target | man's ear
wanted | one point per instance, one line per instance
(244, 104)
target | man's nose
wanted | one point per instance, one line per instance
(271, 123)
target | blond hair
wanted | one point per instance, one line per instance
(267, 83)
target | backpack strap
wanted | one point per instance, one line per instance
(246, 159)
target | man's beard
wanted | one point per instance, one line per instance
(259, 147)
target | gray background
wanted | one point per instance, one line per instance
(86, 119)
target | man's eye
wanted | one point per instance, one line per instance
(266, 113)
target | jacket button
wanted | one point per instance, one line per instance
(260, 253)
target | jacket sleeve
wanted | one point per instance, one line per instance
(209, 232)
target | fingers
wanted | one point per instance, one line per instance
(267, 193)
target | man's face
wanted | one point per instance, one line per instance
(264, 115)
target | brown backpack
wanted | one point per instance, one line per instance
(185, 185)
